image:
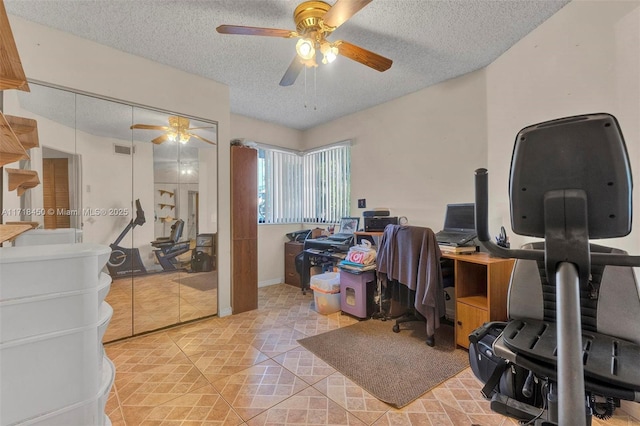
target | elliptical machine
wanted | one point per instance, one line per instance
(570, 181)
(126, 261)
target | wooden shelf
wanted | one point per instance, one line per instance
(10, 232)
(22, 180)
(26, 129)
(164, 191)
(11, 148)
(11, 73)
(475, 301)
(162, 206)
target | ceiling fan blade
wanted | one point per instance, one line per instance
(292, 72)
(160, 139)
(343, 10)
(193, 135)
(149, 127)
(203, 127)
(269, 32)
(365, 57)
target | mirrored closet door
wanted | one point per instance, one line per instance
(139, 180)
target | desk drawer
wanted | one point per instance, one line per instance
(291, 250)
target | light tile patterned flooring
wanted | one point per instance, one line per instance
(248, 369)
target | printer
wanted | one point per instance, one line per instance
(376, 220)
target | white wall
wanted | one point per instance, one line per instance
(417, 153)
(63, 59)
(583, 59)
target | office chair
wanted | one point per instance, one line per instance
(570, 180)
(170, 247)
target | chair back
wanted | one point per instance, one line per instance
(176, 230)
(609, 301)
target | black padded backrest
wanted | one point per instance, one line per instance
(610, 301)
(176, 230)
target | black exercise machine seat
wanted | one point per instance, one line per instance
(170, 247)
(570, 181)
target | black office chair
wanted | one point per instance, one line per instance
(570, 181)
(169, 248)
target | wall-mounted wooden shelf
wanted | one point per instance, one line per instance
(162, 206)
(11, 73)
(26, 129)
(164, 191)
(11, 149)
(22, 180)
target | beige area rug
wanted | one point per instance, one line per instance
(396, 368)
(202, 281)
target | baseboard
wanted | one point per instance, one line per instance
(267, 283)
(225, 312)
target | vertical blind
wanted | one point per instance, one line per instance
(312, 187)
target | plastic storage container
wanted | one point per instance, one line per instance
(328, 282)
(326, 292)
(36, 237)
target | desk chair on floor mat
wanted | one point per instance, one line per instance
(577, 333)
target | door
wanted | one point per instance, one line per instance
(55, 177)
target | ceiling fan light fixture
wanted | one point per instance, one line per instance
(305, 48)
(184, 137)
(172, 136)
(329, 51)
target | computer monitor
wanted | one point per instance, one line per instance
(349, 225)
(460, 217)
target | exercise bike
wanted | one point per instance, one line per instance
(570, 347)
(126, 261)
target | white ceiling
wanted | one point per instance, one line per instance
(429, 41)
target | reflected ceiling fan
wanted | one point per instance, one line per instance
(315, 21)
(177, 130)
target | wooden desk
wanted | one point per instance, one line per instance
(10, 232)
(481, 285)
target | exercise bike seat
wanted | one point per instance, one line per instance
(606, 359)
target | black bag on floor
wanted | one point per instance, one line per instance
(495, 372)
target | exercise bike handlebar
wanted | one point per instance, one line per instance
(139, 220)
(482, 229)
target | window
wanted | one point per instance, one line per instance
(311, 187)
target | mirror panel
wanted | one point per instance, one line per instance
(129, 189)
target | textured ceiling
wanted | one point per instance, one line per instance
(428, 41)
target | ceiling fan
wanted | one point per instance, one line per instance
(315, 21)
(177, 130)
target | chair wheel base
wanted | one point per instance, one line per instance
(396, 328)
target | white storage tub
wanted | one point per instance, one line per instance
(104, 285)
(38, 315)
(37, 270)
(48, 372)
(35, 237)
(87, 412)
(329, 282)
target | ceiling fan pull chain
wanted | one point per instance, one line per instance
(315, 90)
(305, 86)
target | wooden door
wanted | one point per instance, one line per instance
(55, 177)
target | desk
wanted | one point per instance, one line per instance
(481, 285)
(318, 257)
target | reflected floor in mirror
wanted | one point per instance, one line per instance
(153, 301)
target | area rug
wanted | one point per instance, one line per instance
(396, 368)
(202, 281)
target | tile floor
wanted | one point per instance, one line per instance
(248, 369)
